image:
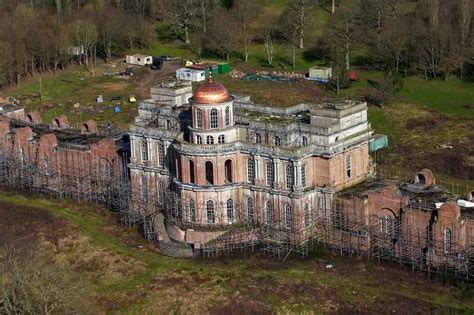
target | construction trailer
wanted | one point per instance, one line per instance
(321, 74)
(139, 60)
(206, 67)
(193, 75)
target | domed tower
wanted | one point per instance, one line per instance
(213, 116)
(208, 180)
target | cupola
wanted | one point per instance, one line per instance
(211, 92)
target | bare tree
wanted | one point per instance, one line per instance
(110, 26)
(246, 12)
(29, 285)
(224, 35)
(297, 11)
(83, 35)
(342, 28)
(182, 15)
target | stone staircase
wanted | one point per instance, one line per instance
(166, 245)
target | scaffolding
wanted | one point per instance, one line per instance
(344, 229)
(341, 225)
(99, 182)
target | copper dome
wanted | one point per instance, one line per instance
(211, 92)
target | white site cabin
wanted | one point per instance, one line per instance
(321, 74)
(193, 75)
(139, 60)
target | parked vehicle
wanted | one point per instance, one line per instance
(166, 57)
(157, 63)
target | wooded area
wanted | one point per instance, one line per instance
(432, 38)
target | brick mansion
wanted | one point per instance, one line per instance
(230, 160)
(210, 171)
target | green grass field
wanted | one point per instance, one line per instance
(124, 275)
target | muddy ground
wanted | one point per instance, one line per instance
(123, 274)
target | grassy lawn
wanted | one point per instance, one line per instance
(124, 275)
(448, 97)
(75, 85)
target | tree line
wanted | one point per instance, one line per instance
(429, 37)
(433, 38)
(41, 36)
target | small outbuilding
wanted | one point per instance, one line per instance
(139, 60)
(194, 75)
(321, 74)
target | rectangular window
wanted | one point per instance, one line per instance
(349, 166)
(289, 176)
(250, 170)
(144, 148)
(161, 154)
(303, 175)
(198, 118)
(270, 173)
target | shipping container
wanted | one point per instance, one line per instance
(223, 68)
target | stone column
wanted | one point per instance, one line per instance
(149, 148)
(297, 180)
(276, 173)
(133, 156)
(258, 170)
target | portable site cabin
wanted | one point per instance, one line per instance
(206, 67)
(139, 60)
(321, 74)
(193, 75)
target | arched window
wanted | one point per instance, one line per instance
(161, 154)
(144, 148)
(168, 124)
(211, 218)
(250, 170)
(213, 118)
(198, 118)
(349, 166)
(303, 175)
(228, 170)
(192, 179)
(277, 141)
(268, 217)
(448, 240)
(289, 176)
(192, 211)
(307, 216)
(304, 142)
(258, 138)
(221, 139)
(270, 173)
(288, 217)
(46, 165)
(227, 116)
(210, 140)
(230, 211)
(210, 173)
(198, 140)
(250, 210)
(386, 225)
